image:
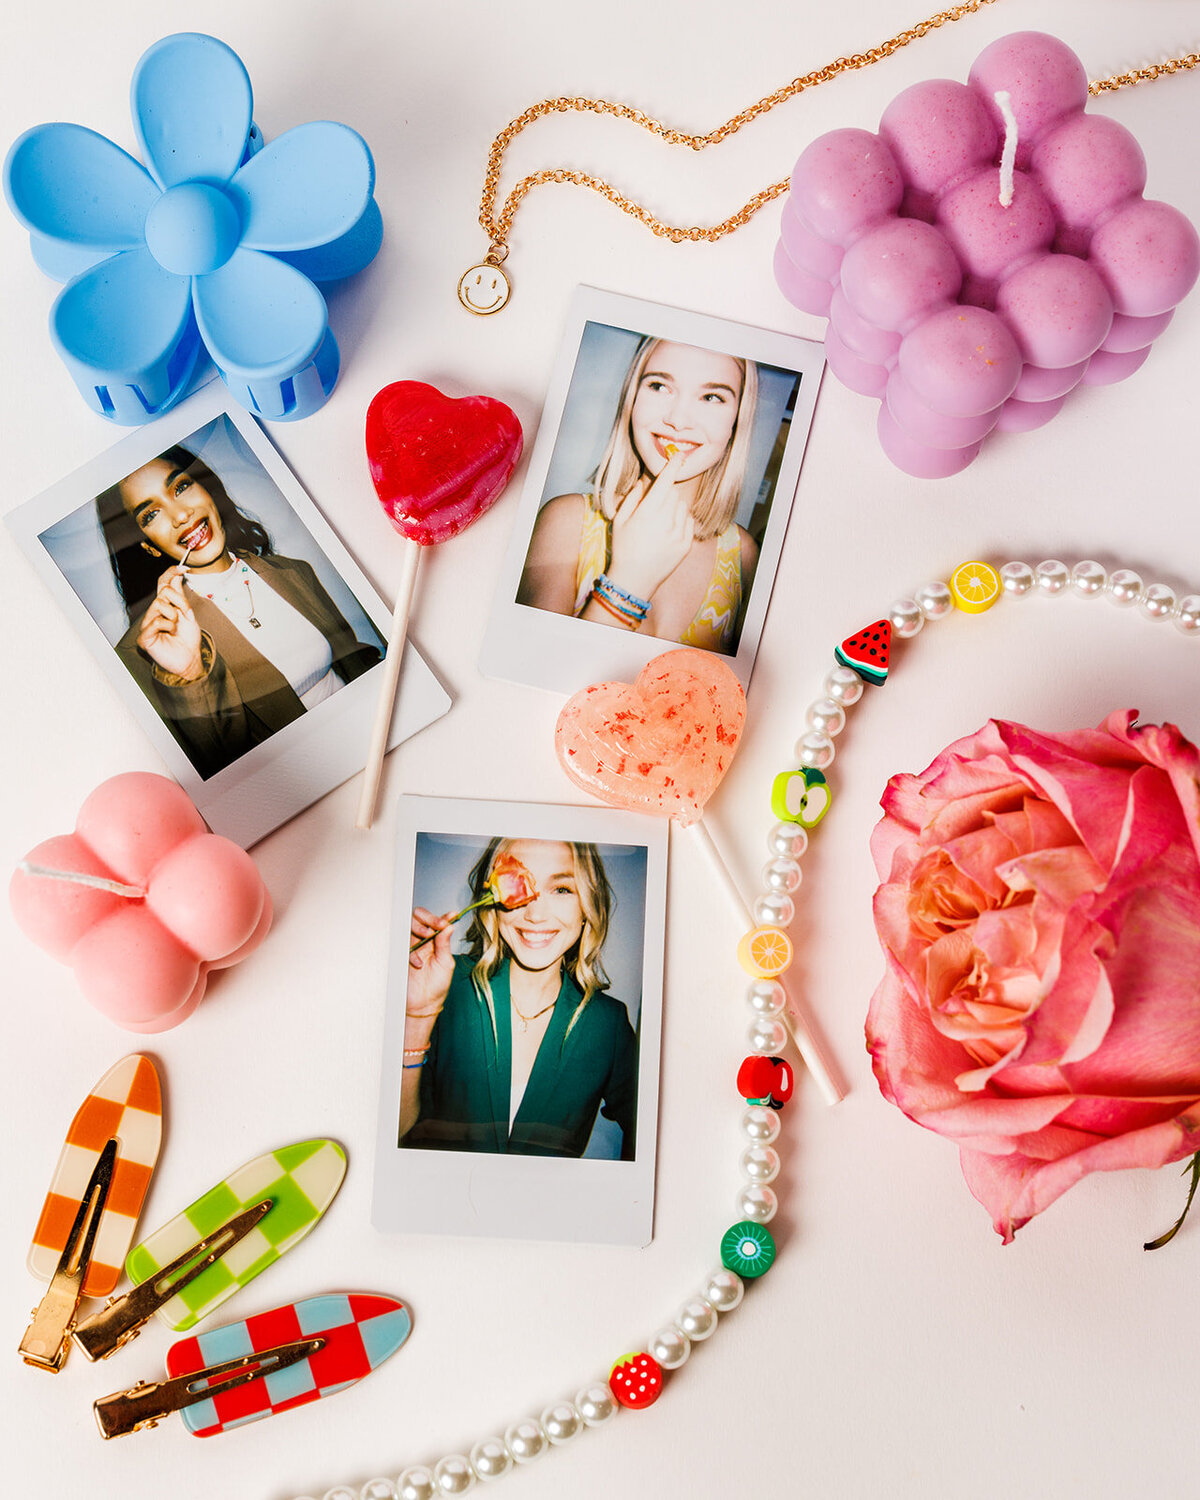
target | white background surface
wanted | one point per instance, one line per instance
(896, 1348)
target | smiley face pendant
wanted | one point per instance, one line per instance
(484, 289)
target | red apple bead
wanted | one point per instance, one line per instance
(636, 1380)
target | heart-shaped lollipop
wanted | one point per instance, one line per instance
(661, 744)
(437, 464)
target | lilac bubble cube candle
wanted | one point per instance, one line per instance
(984, 253)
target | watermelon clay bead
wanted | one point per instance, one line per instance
(636, 1380)
(963, 314)
(867, 652)
(747, 1249)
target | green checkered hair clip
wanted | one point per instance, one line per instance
(194, 1263)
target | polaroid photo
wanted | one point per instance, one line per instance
(231, 621)
(519, 1085)
(657, 496)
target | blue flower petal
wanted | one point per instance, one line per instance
(66, 183)
(122, 318)
(260, 318)
(191, 102)
(310, 186)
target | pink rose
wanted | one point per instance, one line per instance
(1040, 914)
(511, 884)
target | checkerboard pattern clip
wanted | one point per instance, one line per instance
(360, 1329)
(301, 1182)
(126, 1103)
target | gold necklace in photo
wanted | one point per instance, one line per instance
(523, 1018)
(485, 287)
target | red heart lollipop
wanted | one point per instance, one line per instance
(437, 464)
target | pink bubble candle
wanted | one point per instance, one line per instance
(983, 254)
(142, 901)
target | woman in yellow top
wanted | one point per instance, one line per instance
(654, 547)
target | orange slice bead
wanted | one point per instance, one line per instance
(765, 952)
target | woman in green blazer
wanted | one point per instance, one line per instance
(514, 1046)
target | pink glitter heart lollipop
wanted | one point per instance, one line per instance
(660, 745)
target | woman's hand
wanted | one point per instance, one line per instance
(431, 967)
(652, 532)
(169, 633)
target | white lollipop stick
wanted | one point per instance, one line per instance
(817, 1057)
(387, 686)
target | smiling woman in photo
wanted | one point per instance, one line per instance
(653, 545)
(229, 641)
(515, 1045)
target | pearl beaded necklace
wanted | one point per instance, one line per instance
(757, 1203)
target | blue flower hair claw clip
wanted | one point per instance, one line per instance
(214, 245)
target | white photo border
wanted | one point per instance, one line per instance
(305, 759)
(539, 648)
(520, 1197)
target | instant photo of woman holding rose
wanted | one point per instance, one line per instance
(515, 1045)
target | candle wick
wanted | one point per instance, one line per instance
(1008, 156)
(76, 877)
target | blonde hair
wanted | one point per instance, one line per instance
(720, 487)
(583, 960)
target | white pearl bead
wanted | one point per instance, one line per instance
(787, 841)
(1187, 614)
(766, 1038)
(525, 1440)
(1158, 602)
(561, 1422)
(1053, 577)
(782, 875)
(1088, 578)
(1017, 579)
(935, 600)
(340, 1492)
(815, 750)
(844, 684)
(417, 1483)
(724, 1289)
(596, 1404)
(697, 1319)
(378, 1489)
(671, 1347)
(907, 618)
(774, 910)
(761, 1125)
(490, 1458)
(766, 997)
(827, 716)
(757, 1202)
(454, 1475)
(759, 1163)
(1124, 586)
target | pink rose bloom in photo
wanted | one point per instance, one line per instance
(1040, 915)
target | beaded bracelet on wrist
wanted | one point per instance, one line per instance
(746, 1249)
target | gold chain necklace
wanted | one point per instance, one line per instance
(485, 288)
(524, 1019)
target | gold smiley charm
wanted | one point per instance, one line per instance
(485, 288)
